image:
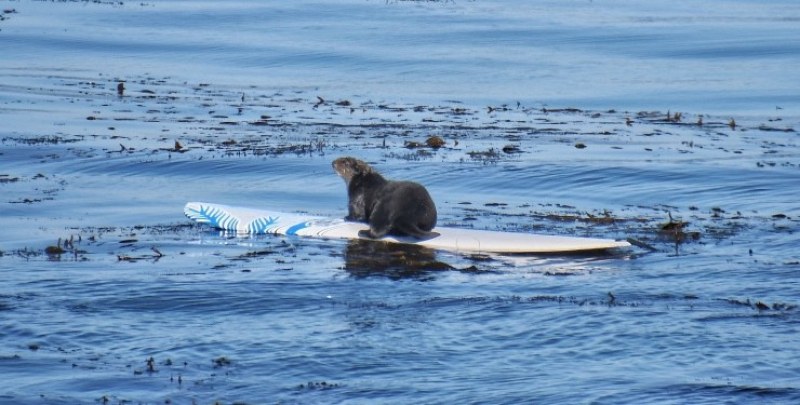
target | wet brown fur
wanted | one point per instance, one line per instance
(389, 207)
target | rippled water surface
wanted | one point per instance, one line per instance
(671, 124)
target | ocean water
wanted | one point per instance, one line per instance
(671, 124)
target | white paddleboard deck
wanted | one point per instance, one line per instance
(261, 221)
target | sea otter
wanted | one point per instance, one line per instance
(389, 207)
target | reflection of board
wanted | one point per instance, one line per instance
(250, 220)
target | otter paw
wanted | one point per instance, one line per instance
(367, 234)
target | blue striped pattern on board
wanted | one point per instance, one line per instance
(260, 225)
(215, 217)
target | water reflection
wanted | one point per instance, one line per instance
(367, 258)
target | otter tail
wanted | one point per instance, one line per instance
(415, 231)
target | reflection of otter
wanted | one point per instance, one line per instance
(396, 207)
(365, 258)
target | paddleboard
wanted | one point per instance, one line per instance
(264, 221)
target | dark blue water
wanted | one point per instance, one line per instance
(262, 96)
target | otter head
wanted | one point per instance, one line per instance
(348, 167)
